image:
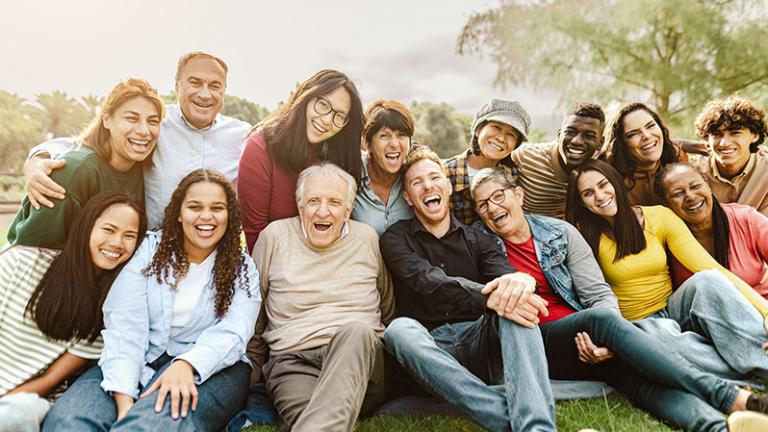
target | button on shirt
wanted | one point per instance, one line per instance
(438, 281)
(371, 211)
(182, 148)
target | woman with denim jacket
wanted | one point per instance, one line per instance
(582, 308)
(177, 322)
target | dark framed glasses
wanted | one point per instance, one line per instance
(323, 107)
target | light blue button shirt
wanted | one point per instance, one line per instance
(371, 211)
(181, 149)
(137, 321)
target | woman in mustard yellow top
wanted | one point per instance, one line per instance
(630, 243)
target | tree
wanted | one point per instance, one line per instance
(92, 104)
(243, 109)
(441, 128)
(674, 54)
(60, 114)
(19, 131)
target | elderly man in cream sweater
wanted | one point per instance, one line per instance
(327, 298)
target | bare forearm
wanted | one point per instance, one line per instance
(61, 369)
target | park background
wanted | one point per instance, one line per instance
(444, 58)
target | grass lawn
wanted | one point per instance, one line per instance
(610, 414)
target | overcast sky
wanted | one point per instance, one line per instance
(395, 49)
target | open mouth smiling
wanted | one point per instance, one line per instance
(432, 201)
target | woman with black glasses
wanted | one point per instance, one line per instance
(322, 121)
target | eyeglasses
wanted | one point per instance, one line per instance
(497, 197)
(323, 107)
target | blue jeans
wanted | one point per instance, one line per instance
(720, 331)
(655, 378)
(85, 406)
(258, 410)
(459, 361)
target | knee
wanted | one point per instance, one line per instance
(605, 316)
(709, 282)
(403, 331)
(356, 331)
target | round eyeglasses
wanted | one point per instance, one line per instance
(323, 107)
(497, 197)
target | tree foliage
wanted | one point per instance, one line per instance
(243, 109)
(19, 131)
(674, 54)
(441, 128)
(60, 114)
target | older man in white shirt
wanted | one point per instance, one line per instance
(193, 135)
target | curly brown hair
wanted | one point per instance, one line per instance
(171, 258)
(732, 113)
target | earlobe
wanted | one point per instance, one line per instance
(407, 198)
(105, 122)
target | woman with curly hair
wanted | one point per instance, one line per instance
(387, 134)
(637, 145)
(50, 305)
(735, 170)
(322, 121)
(177, 321)
(632, 243)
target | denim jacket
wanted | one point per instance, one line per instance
(137, 321)
(568, 264)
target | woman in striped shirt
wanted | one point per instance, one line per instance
(50, 305)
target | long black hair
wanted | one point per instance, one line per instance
(626, 230)
(721, 228)
(285, 130)
(67, 302)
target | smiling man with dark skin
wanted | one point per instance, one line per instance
(544, 168)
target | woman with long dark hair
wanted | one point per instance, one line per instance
(50, 305)
(387, 134)
(177, 322)
(321, 121)
(734, 234)
(631, 244)
(108, 158)
(637, 145)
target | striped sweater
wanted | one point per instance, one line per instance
(24, 351)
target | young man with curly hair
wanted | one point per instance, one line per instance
(734, 129)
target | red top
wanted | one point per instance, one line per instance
(523, 258)
(266, 191)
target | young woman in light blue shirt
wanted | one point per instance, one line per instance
(177, 322)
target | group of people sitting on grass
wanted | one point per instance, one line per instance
(370, 268)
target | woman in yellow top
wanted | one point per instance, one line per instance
(630, 244)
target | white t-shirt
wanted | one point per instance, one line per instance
(189, 291)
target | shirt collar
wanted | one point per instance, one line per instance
(555, 162)
(415, 226)
(747, 169)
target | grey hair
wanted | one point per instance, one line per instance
(326, 169)
(499, 174)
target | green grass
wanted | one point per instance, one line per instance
(609, 414)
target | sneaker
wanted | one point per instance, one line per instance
(747, 421)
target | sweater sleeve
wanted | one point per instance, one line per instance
(254, 187)
(588, 279)
(257, 349)
(386, 290)
(695, 258)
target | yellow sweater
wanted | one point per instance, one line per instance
(642, 282)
